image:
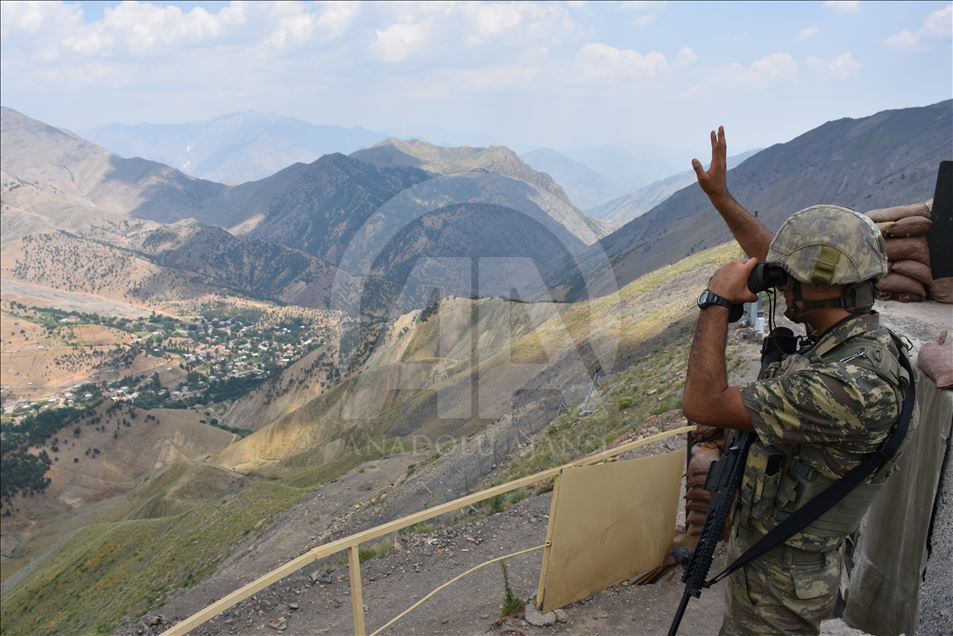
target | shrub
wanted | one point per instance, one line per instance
(511, 603)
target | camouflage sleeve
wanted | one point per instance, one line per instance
(847, 405)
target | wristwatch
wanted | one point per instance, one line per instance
(709, 298)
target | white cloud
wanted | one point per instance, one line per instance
(645, 20)
(43, 30)
(493, 19)
(35, 17)
(841, 67)
(808, 32)
(843, 6)
(486, 22)
(684, 57)
(336, 17)
(651, 12)
(937, 26)
(770, 69)
(398, 41)
(598, 61)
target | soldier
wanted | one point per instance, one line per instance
(816, 413)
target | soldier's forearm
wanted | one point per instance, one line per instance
(753, 237)
(708, 399)
(706, 376)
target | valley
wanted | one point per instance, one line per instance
(203, 379)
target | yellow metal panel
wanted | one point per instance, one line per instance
(609, 522)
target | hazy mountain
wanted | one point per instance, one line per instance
(630, 167)
(885, 159)
(585, 186)
(233, 148)
(494, 159)
(53, 179)
(621, 210)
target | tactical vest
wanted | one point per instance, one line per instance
(781, 478)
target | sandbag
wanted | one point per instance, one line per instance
(696, 497)
(905, 288)
(909, 248)
(913, 269)
(704, 433)
(899, 212)
(936, 360)
(941, 289)
(909, 226)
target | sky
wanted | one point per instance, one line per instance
(559, 75)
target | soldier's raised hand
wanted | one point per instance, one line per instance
(713, 180)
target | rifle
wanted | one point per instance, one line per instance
(723, 480)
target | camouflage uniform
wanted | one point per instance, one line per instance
(816, 414)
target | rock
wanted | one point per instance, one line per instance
(292, 606)
(155, 620)
(280, 624)
(535, 617)
(561, 616)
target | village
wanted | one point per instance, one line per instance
(154, 361)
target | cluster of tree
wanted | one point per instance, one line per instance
(23, 471)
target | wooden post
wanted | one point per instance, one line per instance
(357, 598)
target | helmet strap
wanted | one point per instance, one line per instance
(857, 298)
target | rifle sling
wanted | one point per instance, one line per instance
(809, 512)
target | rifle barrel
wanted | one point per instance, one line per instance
(678, 614)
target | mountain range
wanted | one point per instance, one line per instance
(56, 181)
(232, 148)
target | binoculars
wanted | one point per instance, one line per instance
(764, 277)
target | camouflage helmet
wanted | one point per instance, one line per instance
(829, 245)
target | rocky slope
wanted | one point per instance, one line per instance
(494, 159)
(148, 264)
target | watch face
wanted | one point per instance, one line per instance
(703, 299)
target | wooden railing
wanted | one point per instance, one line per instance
(352, 543)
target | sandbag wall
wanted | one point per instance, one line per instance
(908, 278)
(706, 445)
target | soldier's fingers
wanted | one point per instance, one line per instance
(714, 141)
(699, 170)
(721, 136)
